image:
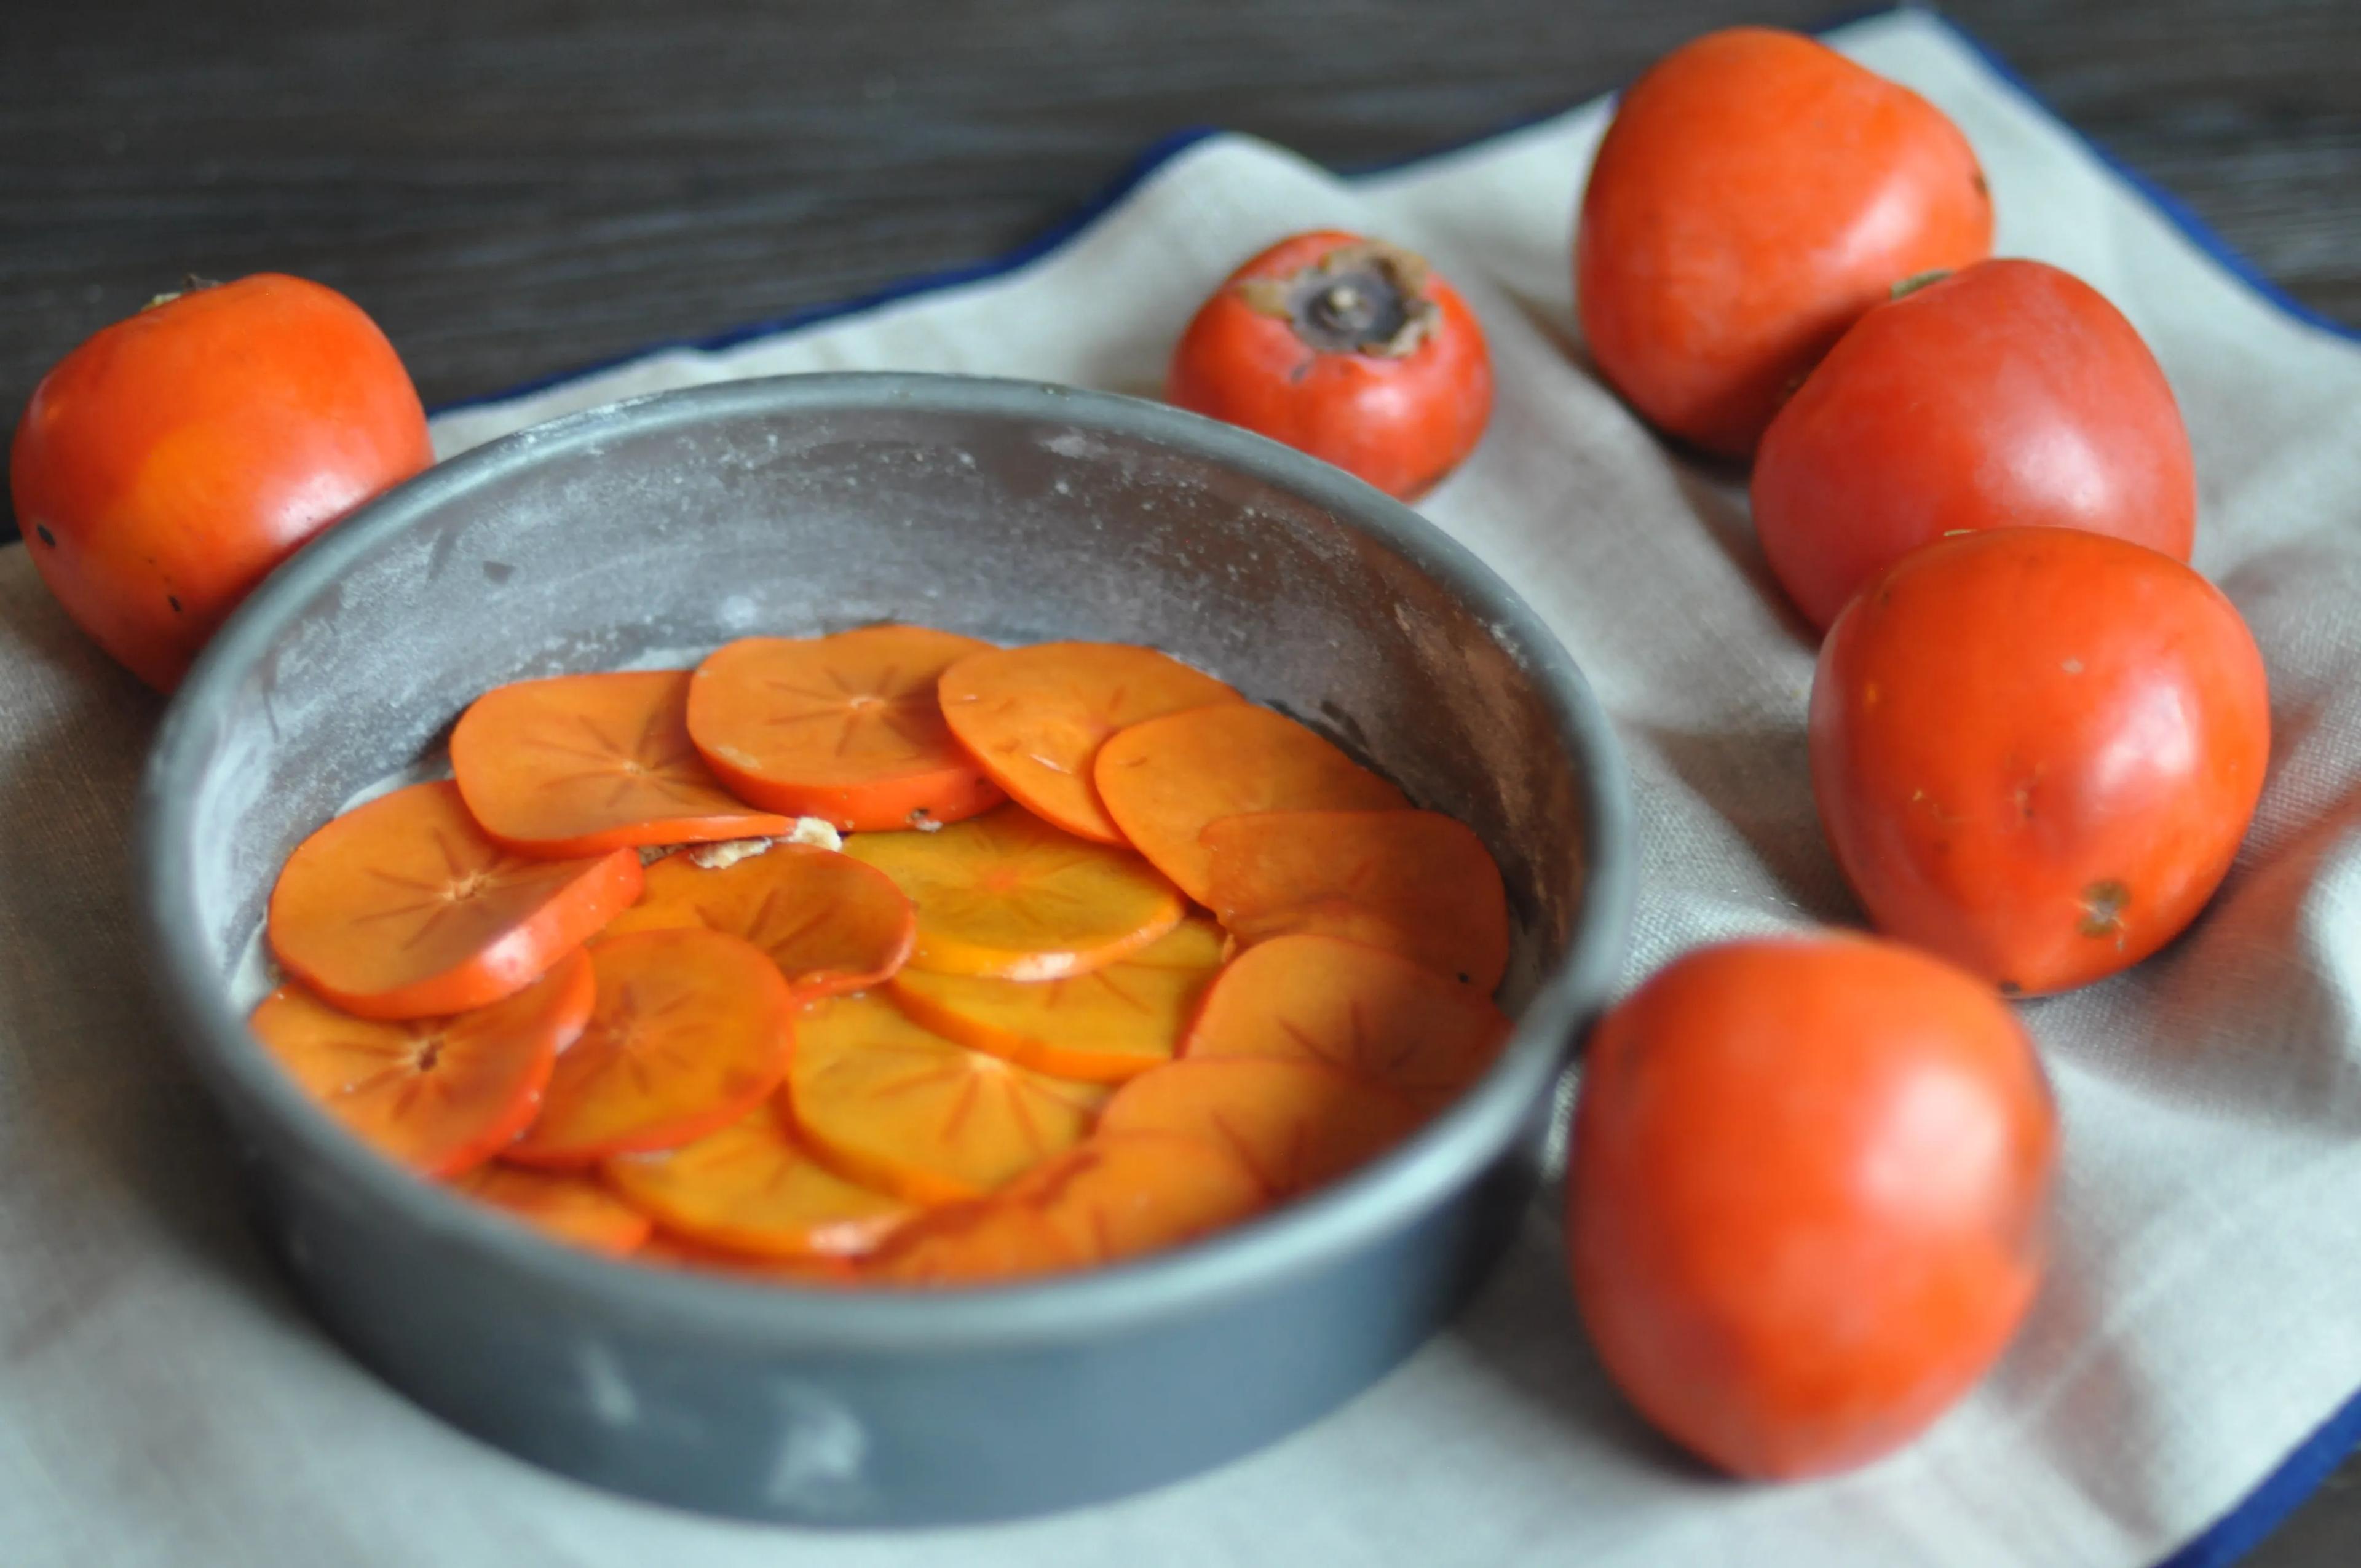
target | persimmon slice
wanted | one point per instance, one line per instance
(438, 1094)
(1415, 883)
(1355, 1007)
(846, 727)
(751, 1188)
(1008, 895)
(1163, 781)
(581, 765)
(563, 1204)
(669, 1249)
(402, 908)
(1123, 1194)
(1296, 1124)
(829, 922)
(1102, 1028)
(691, 1030)
(1036, 717)
(979, 1242)
(896, 1107)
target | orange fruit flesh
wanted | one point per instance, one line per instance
(1296, 1124)
(828, 922)
(753, 1188)
(561, 1204)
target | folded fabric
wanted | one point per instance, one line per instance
(162, 1401)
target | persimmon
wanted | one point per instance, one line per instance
(1354, 350)
(896, 1107)
(846, 727)
(440, 1095)
(1109, 1198)
(563, 1204)
(2036, 750)
(753, 1188)
(402, 908)
(1417, 882)
(1102, 1028)
(669, 1249)
(1009, 896)
(1808, 1202)
(1296, 1123)
(166, 466)
(2009, 395)
(580, 764)
(692, 1029)
(1166, 780)
(830, 922)
(1756, 194)
(1360, 1008)
(1035, 718)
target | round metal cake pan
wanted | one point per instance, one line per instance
(657, 529)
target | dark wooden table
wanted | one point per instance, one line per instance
(515, 186)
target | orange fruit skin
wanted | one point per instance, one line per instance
(2036, 750)
(1808, 1197)
(1756, 194)
(402, 908)
(163, 468)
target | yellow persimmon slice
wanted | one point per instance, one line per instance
(691, 1030)
(563, 1204)
(846, 727)
(1036, 717)
(896, 1107)
(1008, 895)
(751, 1188)
(402, 908)
(1415, 883)
(1102, 1028)
(1166, 780)
(438, 1094)
(828, 921)
(1296, 1124)
(669, 1249)
(979, 1242)
(1356, 1007)
(581, 765)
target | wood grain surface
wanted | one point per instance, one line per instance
(514, 187)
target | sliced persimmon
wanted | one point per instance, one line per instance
(1036, 717)
(753, 1188)
(402, 908)
(1102, 1028)
(563, 1204)
(828, 921)
(692, 1029)
(846, 727)
(1296, 1124)
(979, 1242)
(1164, 781)
(896, 1107)
(1415, 883)
(1008, 895)
(441, 1095)
(669, 1249)
(581, 765)
(1356, 1007)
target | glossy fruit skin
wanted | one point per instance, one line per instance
(1756, 193)
(2036, 750)
(167, 464)
(1807, 1197)
(2011, 393)
(1401, 424)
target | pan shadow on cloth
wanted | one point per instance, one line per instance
(1758, 780)
(107, 1144)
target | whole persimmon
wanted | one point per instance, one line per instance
(1808, 1199)
(2036, 750)
(1755, 193)
(2010, 394)
(1353, 350)
(167, 464)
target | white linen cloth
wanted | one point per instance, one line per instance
(163, 1402)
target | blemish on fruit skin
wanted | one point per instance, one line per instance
(2010, 988)
(41, 530)
(174, 600)
(2104, 903)
(2072, 667)
(1870, 695)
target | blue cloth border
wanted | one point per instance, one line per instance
(2301, 1474)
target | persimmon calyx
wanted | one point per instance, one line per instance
(1367, 298)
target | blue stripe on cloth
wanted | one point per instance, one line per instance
(2301, 1474)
